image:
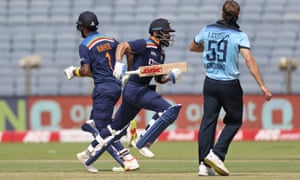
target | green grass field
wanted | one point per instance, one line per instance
(173, 161)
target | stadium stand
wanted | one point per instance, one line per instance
(47, 28)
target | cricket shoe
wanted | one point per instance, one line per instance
(83, 157)
(145, 151)
(216, 163)
(130, 163)
(118, 169)
(205, 170)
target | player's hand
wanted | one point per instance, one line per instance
(119, 70)
(175, 75)
(69, 72)
(267, 92)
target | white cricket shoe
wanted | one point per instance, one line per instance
(216, 163)
(205, 171)
(82, 157)
(145, 151)
(130, 163)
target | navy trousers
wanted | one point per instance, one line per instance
(219, 94)
(105, 96)
(136, 97)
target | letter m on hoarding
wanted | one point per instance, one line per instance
(12, 114)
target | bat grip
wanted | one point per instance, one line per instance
(132, 72)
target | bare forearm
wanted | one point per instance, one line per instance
(122, 49)
(255, 72)
(196, 47)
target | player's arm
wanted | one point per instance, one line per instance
(83, 71)
(129, 57)
(122, 49)
(254, 70)
(120, 68)
(196, 47)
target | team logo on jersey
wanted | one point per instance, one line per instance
(152, 62)
(153, 53)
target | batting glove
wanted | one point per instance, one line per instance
(119, 70)
(175, 75)
(69, 72)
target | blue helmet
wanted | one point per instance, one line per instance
(160, 24)
(163, 29)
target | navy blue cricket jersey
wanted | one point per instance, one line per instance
(146, 53)
(98, 50)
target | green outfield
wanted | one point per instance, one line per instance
(173, 161)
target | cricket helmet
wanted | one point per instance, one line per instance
(160, 24)
(87, 19)
(163, 29)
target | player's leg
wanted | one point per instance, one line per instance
(206, 133)
(104, 100)
(106, 142)
(90, 151)
(166, 118)
(167, 114)
(230, 93)
(90, 126)
(126, 160)
(116, 129)
(116, 150)
(233, 106)
(149, 95)
(207, 130)
(129, 162)
(134, 137)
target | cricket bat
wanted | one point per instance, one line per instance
(159, 69)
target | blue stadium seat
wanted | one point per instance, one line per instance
(47, 28)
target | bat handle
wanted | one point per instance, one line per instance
(132, 72)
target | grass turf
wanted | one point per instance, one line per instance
(173, 161)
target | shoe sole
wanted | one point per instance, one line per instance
(132, 168)
(220, 171)
(145, 154)
(85, 166)
(151, 155)
(206, 174)
(202, 174)
(118, 169)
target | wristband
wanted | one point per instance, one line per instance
(76, 72)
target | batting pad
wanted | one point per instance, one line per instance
(89, 128)
(114, 153)
(167, 118)
(108, 141)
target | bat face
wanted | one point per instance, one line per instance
(151, 70)
(160, 69)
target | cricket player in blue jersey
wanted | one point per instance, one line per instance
(221, 44)
(138, 94)
(97, 55)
